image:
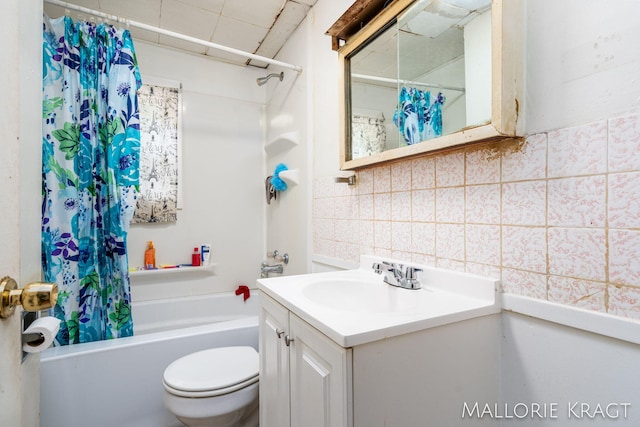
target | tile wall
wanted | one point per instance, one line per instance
(556, 217)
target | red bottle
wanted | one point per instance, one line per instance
(195, 258)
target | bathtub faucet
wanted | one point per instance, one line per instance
(265, 269)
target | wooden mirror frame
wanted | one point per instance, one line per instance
(507, 47)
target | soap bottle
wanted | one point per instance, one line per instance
(205, 253)
(150, 256)
(195, 257)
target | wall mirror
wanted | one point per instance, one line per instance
(424, 75)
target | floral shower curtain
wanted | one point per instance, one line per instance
(90, 168)
(418, 117)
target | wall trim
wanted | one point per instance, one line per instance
(621, 328)
(334, 262)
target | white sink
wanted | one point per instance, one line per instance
(354, 307)
(362, 296)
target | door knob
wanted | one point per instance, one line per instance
(35, 296)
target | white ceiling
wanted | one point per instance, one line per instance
(255, 26)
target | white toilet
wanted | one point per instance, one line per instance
(216, 387)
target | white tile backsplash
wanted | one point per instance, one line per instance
(624, 261)
(482, 204)
(401, 176)
(401, 206)
(527, 162)
(524, 248)
(482, 167)
(577, 202)
(450, 169)
(624, 200)
(577, 292)
(450, 204)
(556, 216)
(423, 173)
(524, 203)
(578, 150)
(423, 205)
(624, 150)
(577, 252)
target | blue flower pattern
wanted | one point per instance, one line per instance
(90, 173)
(418, 117)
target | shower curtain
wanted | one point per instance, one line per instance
(418, 116)
(90, 173)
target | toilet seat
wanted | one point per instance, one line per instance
(212, 372)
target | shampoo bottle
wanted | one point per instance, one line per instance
(150, 256)
(195, 257)
(205, 253)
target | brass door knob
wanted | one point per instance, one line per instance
(35, 296)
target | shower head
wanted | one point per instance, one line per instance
(263, 80)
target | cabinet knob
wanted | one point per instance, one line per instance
(279, 332)
(288, 340)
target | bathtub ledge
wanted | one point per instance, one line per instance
(54, 353)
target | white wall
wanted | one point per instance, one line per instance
(306, 103)
(222, 182)
(582, 61)
(326, 136)
(548, 363)
(288, 111)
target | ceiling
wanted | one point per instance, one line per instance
(255, 26)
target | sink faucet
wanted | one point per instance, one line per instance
(398, 275)
(265, 269)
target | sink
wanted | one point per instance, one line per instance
(354, 307)
(362, 296)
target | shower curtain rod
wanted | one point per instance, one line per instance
(174, 34)
(406, 82)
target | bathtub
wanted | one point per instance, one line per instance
(119, 382)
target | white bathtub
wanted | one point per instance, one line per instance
(167, 314)
(119, 382)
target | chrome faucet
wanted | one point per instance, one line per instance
(398, 275)
(265, 269)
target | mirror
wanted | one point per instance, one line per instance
(419, 78)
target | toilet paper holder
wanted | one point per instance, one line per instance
(34, 338)
(35, 296)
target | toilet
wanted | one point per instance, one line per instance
(217, 387)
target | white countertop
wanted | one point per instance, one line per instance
(355, 318)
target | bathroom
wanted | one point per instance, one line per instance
(581, 101)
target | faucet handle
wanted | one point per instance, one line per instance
(273, 254)
(377, 268)
(411, 272)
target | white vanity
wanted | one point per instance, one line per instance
(347, 349)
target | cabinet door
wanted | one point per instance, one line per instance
(274, 364)
(320, 379)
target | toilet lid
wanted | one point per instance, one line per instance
(213, 371)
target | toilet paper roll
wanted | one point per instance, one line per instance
(47, 327)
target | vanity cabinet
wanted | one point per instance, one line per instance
(344, 349)
(305, 378)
